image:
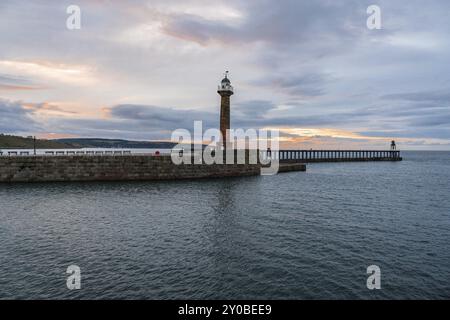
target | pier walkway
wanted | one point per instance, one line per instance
(305, 156)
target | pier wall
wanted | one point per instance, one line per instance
(112, 168)
(41, 168)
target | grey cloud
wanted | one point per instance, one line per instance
(15, 118)
(282, 22)
(161, 118)
(152, 122)
(256, 109)
(431, 120)
(425, 133)
(161, 122)
(421, 110)
(10, 82)
(13, 80)
(425, 96)
(301, 84)
(135, 122)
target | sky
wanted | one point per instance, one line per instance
(312, 69)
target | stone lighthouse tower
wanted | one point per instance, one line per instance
(225, 91)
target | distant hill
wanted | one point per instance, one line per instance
(115, 143)
(15, 142)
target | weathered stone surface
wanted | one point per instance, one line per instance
(288, 167)
(103, 168)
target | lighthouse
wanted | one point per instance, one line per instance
(225, 91)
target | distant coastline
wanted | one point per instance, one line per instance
(17, 142)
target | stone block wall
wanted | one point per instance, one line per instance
(113, 168)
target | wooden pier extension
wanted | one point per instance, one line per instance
(305, 156)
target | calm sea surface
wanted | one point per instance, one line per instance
(302, 235)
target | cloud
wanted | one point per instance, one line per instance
(300, 85)
(256, 109)
(15, 118)
(423, 96)
(160, 118)
(423, 110)
(75, 74)
(45, 108)
(160, 122)
(284, 22)
(15, 83)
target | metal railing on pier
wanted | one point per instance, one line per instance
(330, 155)
(284, 156)
(66, 153)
